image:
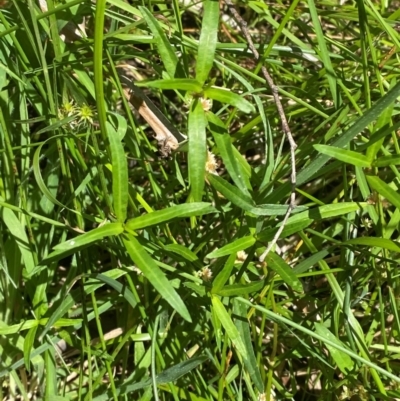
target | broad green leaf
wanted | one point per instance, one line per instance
(208, 40)
(18, 233)
(170, 213)
(155, 275)
(225, 147)
(165, 50)
(119, 174)
(384, 189)
(232, 248)
(384, 161)
(279, 266)
(343, 361)
(227, 323)
(344, 155)
(250, 362)
(94, 235)
(228, 97)
(197, 150)
(28, 346)
(185, 84)
(224, 274)
(375, 242)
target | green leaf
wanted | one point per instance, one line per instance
(344, 155)
(240, 289)
(228, 97)
(227, 323)
(375, 242)
(119, 174)
(250, 362)
(278, 265)
(28, 345)
(182, 251)
(88, 238)
(18, 233)
(384, 189)
(165, 50)
(343, 361)
(170, 213)
(369, 116)
(232, 248)
(155, 275)
(197, 150)
(224, 274)
(245, 202)
(185, 84)
(208, 40)
(226, 149)
(384, 161)
(121, 289)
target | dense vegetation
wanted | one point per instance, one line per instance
(163, 237)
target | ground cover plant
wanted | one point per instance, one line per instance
(199, 200)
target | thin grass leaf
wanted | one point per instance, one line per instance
(28, 346)
(208, 40)
(224, 274)
(233, 290)
(384, 161)
(344, 155)
(155, 276)
(182, 251)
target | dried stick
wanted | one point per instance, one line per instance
(285, 126)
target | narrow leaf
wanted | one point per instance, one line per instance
(224, 274)
(119, 174)
(228, 325)
(232, 248)
(385, 190)
(278, 265)
(185, 84)
(170, 213)
(228, 97)
(197, 150)
(208, 40)
(155, 275)
(88, 238)
(375, 242)
(343, 361)
(344, 155)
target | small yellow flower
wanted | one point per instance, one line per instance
(85, 114)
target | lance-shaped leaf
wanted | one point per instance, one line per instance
(344, 155)
(170, 213)
(185, 84)
(228, 97)
(155, 275)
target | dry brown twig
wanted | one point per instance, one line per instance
(285, 126)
